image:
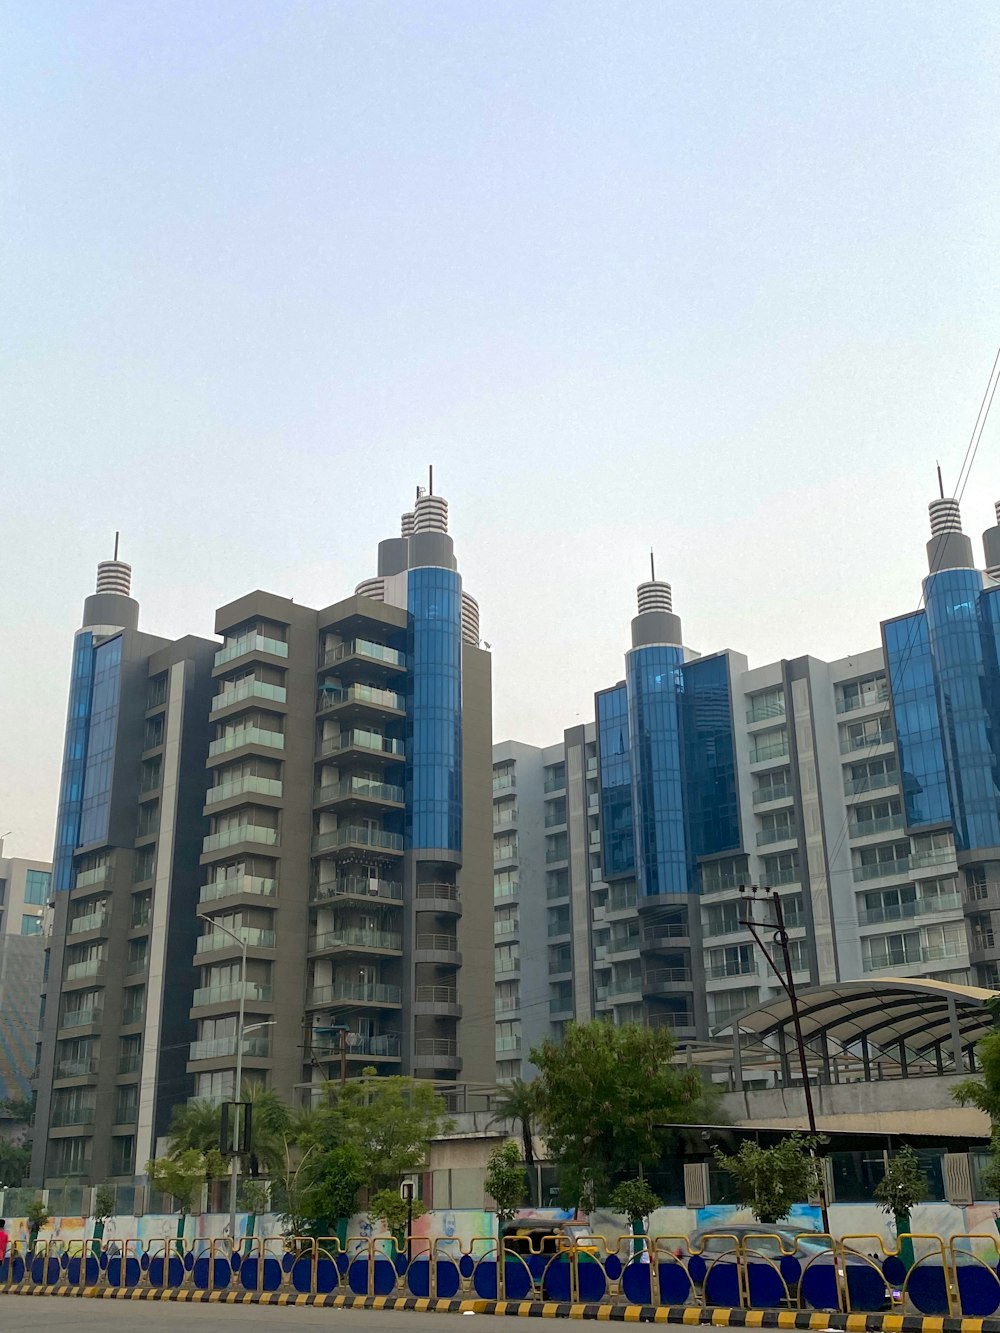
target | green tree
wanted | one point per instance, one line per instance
(770, 1180)
(608, 1095)
(520, 1101)
(390, 1121)
(15, 1162)
(182, 1175)
(636, 1200)
(505, 1179)
(37, 1216)
(394, 1212)
(902, 1187)
(20, 1109)
(104, 1205)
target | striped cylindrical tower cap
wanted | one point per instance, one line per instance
(114, 576)
(945, 517)
(431, 514)
(655, 596)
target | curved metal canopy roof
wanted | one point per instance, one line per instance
(924, 1015)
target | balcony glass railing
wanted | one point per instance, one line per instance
(234, 884)
(240, 833)
(371, 741)
(910, 954)
(136, 965)
(879, 869)
(89, 967)
(503, 891)
(871, 782)
(346, 993)
(130, 1062)
(742, 968)
(250, 643)
(359, 789)
(355, 836)
(502, 782)
(96, 875)
(76, 1068)
(848, 744)
(775, 750)
(863, 701)
(378, 652)
(778, 792)
(863, 828)
(781, 833)
(557, 783)
(356, 938)
(230, 991)
(875, 916)
(507, 1004)
(937, 856)
(761, 712)
(505, 927)
(554, 818)
(253, 937)
(72, 1115)
(242, 786)
(232, 740)
(507, 1044)
(558, 853)
(249, 689)
(90, 921)
(333, 696)
(358, 886)
(221, 1048)
(81, 1018)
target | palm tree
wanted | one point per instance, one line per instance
(521, 1101)
(194, 1124)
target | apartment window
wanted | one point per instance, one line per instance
(129, 1054)
(554, 778)
(3, 891)
(624, 935)
(556, 847)
(976, 885)
(138, 953)
(560, 958)
(507, 997)
(145, 863)
(504, 812)
(153, 732)
(507, 958)
(768, 703)
(31, 925)
(724, 918)
(735, 960)
(878, 951)
(508, 1070)
(508, 1035)
(149, 819)
(771, 744)
(37, 887)
(773, 785)
(792, 910)
(123, 1153)
(505, 883)
(557, 922)
(622, 895)
(133, 999)
(556, 884)
(726, 1004)
(781, 868)
(127, 1104)
(70, 1156)
(561, 997)
(504, 775)
(861, 735)
(505, 921)
(889, 857)
(863, 693)
(505, 848)
(776, 827)
(216, 1086)
(156, 690)
(798, 955)
(728, 873)
(142, 906)
(983, 935)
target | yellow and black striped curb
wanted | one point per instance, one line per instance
(717, 1316)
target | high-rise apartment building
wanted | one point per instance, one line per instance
(25, 890)
(279, 845)
(867, 791)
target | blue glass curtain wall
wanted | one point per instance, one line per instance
(709, 755)
(617, 833)
(655, 681)
(434, 716)
(96, 809)
(956, 641)
(74, 761)
(917, 720)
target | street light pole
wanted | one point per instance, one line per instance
(235, 1168)
(787, 981)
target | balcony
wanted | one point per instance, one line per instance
(782, 833)
(96, 875)
(503, 782)
(82, 1018)
(250, 643)
(778, 792)
(937, 856)
(436, 1053)
(863, 701)
(437, 897)
(130, 1063)
(662, 978)
(229, 993)
(89, 967)
(738, 969)
(356, 937)
(344, 993)
(358, 886)
(505, 926)
(357, 790)
(762, 712)
(911, 954)
(76, 1068)
(224, 1048)
(760, 754)
(554, 784)
(243, 786)
(253, 937)
(90, 921)
(554, 854)
(385, 1044)
(873, 782)
(370, 742)
(507, 1004)
(249, 689)
(355, 836)
(554, 819)
(63, 1116)
(437, 948)
(241, 736)
(876, 916)
(848, 744)
(441, 1002)
(375, 652)
(864, 828)
(333, 698)
(881, 870)
(658, 932)
(256, 833)
(238, 884)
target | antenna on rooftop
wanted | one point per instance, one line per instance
(116, 544)
(652, 566)
(940, 482)
(430, 479)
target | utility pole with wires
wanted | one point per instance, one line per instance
(786, 979)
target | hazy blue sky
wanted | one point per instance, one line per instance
(718, 277)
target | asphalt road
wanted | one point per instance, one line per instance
(33, 1314)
